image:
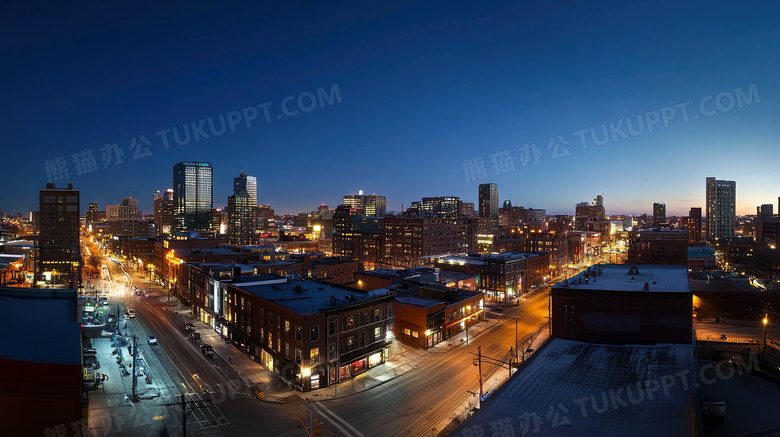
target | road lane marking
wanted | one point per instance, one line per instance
(357, 433)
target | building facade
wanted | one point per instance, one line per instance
(59, 253)
(192, 196)
(248, 184)
(488, 203)
(372, 204)
(241, 222)
(721, 197)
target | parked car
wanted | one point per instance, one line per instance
(189, 326)
(131, 313)
(207, 349)
(151, 339)
(194, 335)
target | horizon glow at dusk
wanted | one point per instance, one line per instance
(642, 102)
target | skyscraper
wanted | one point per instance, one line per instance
(241, 222)
(373, 205)
(488, 203)
(59, 248)
(721, 208)
(163, 211)
(192, 196)
(248, 184)
(659, 214)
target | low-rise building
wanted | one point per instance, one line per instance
(620, 304)
(310, 333)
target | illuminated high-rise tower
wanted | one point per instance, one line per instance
(721, 208)
(192, 196)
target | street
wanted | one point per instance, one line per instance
(421, 401)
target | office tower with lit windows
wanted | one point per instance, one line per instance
(192, 196)
(59, 247)
(488, 203)
(241, 222)
(441, 206)
(721, 208)
(248, 184)
(373, 205)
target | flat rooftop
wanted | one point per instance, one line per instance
(312, 297)
(573, 388)
(621, 277)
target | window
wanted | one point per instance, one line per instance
(389, 311)
(377, 333)
(407, 331)
(278, 345)
(333, 326)
(315, 333)
(332, 350)
(279, 322)
(297, 356)
(298, 335)
(270, 318)
(287, 349)
(286, 326)
(350, 322)
(415, 334)
(314, 356)
(350, 343)
(271, 340)
(365, 318)
(377, 315)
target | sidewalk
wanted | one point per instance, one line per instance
(111, 410)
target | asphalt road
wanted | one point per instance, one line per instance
(421, 400)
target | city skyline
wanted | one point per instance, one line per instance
(389, 99)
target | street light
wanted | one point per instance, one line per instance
(766, 320)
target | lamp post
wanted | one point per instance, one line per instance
(766, 320)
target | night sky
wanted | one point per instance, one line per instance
(415, 99)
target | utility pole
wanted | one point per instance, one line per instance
(515, 340)
(479, 357)
(134, 370)
(185, 413)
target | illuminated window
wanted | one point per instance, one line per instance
(314, 356)
(286, 326)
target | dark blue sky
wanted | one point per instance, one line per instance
(426, 88)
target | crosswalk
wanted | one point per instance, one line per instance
(340, 424)
(202, 411)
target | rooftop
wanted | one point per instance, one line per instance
(621, 277)
(418, 301)
(310, 297)
(575, 388)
